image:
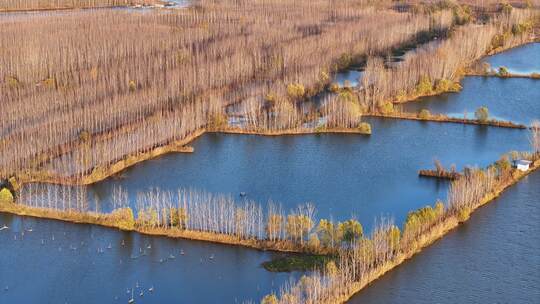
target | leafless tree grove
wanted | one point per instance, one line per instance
(81, 90)
(21, 5)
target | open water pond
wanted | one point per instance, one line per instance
(44, 261)
(343, 175)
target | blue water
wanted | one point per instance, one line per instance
(513, 99)
(520, 60)
(343, 175)
(492, 258)
(64, 270)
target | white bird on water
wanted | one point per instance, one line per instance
(132, 300)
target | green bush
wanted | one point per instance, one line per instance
(503, 72)
(482, 114)
(424, 114)
(351, 230)
(6, 197)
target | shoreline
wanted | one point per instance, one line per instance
(535, 76)
(99, 174)
(446, 119)
(110, 221)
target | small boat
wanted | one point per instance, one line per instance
(137, 285)
(53, 237)
(42, 242)
(182, 251)
(211, 257)
(142, 293)
(29, 230)
(242, 194)
(4, 228)
(151, 289)
(123, 243)
(171, 256)
(149, 246)
(161, 260)
(110, 246)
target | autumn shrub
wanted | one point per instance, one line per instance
(464, 214)
(482, 114)
(6, 197)
(445, 85)
(424, 114)
(296, 91)
(364, 128)
(124, 218)
(270, 299)
(12, 81)
(334, 87)
(424, 86)
(386, 108)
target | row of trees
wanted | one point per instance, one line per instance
(15, 5)
(435, 67)
(200, 211)
(359, 263)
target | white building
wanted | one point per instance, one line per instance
(522, 164)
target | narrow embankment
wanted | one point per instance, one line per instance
(435, 233)
(110, 221)
(446, 119)
(101, 174)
